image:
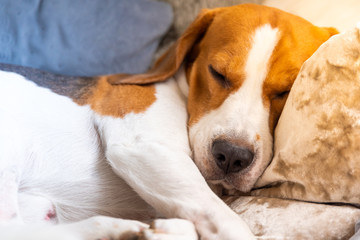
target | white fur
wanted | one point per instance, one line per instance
(54, 147)
(67, 158)
(241, 116)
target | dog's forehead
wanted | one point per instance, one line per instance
(274, 43)
(229, 38)
(234, 25)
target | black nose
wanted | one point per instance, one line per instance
(231, 158)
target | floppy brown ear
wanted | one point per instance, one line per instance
(169, 63)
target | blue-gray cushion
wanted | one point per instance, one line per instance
(77, 37)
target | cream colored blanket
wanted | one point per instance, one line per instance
(317, 152)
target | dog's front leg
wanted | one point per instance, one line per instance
(169, 181)
(93, 228)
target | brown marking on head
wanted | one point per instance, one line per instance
(299, 40)
(227, 53)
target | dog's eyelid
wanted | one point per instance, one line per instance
(282, 94)
(219, 77)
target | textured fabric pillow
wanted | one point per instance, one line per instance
(273, 218)
(317, 140)
(74, 37)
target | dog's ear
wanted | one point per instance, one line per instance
(169, 63)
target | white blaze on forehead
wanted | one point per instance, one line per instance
(242, 114)
(264, 42)
(249, 98)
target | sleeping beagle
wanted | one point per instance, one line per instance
(144, 146)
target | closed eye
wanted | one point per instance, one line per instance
(281, 95)
(224, 82)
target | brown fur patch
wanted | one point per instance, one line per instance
(227, 53)
(299, 40)
(119, 100)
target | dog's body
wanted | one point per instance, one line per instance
(57, 156)
(75, 148)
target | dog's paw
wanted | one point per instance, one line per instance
(170, 229)
(106, 228)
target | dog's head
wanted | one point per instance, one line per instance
(240, 63)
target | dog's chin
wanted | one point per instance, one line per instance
(242, 181)
(224, 188)
(234, 182)
(230, 187)
(222, 183)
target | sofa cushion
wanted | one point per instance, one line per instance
(82, 37)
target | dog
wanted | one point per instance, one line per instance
(92, 152)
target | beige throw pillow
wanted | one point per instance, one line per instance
(317, 140)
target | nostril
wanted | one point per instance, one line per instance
(220, 157)
(237, 163)
(230, 157)
(244, 158)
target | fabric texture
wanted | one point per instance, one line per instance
(74, 37)
(317, 152)
(274, 218)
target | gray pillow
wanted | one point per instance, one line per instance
(78, 37)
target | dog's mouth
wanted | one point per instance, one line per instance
(248, 164)
(223, 183)
(242, 180)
